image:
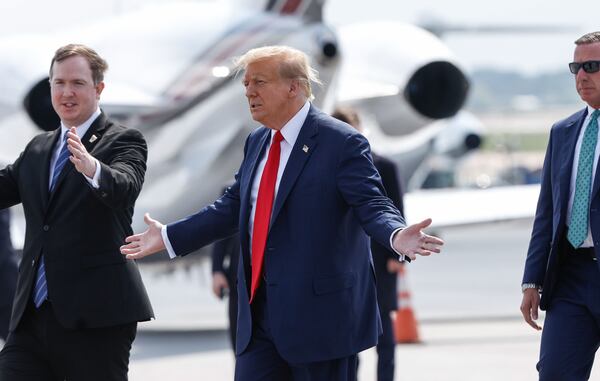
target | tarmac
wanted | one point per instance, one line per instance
(492, 350)
(466, 301)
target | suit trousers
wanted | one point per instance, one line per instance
(40, 349)
(262, 362)
(571, 333)
(386, 347)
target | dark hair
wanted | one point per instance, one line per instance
(348, 115)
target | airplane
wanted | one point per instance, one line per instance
(171, 76)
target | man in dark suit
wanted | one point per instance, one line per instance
(304, 196)
(78, 300)
(562, 261)
(225, 257)
(385, 260)
(8, 272)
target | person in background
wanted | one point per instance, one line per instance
(386, 264)
(225, 256)
(8, 273)
(562, 261)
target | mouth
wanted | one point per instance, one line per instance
(69, 105)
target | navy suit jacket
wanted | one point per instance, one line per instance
(549, 227)
(319, 275)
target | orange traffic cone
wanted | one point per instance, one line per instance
(405, 327)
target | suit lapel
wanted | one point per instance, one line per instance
(255, 154)
(568, 140)
(302, 150)
(47, 150)
(89, 140)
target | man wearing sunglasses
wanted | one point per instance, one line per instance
(562, 261)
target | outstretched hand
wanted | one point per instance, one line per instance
(412, 241)
(149, 242)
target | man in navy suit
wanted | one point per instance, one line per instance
(304, 199)
(562, 261)
(385, 260)
(8, 273)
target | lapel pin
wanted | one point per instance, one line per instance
(305, 148)
(93, 138)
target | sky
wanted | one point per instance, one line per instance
(526, 53)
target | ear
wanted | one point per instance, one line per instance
(294, 88)
(99, 88)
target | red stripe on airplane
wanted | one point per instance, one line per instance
(290, 6)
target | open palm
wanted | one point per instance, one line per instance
(146, 243)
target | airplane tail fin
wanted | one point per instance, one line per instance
(311, 10)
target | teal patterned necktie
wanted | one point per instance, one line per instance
(578, 226)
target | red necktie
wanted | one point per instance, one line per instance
(262, 215)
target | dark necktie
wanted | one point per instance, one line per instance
(40, 290)
(262, 215)
(578, 224)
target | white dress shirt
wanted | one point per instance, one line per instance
(81, 130)
(589, 242)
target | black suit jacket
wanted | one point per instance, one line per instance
(8, 272)
(79, 229)
(386, 281)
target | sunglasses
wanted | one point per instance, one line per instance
(587, 66)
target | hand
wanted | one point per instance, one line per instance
(529, 307)
(146, 243)
(84, 162)
(412, 241)
(219, 283)
(394, 266)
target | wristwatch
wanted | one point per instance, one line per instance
(526, 286)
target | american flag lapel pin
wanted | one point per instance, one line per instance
(305, 148)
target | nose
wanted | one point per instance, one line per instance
(580, 73)
(68, 90)
(249, 90)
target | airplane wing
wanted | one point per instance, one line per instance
(457, 207)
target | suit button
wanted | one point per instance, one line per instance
(46, 228)
(33, 263)
(104, 194)
(270, 248)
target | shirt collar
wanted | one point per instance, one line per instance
(291, 129)
(82, 129)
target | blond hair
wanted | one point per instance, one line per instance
(293, 64)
